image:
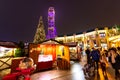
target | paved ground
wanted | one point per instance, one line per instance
(75, 73)
(60, 74)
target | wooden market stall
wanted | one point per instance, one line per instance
(47, 53)
(7, 51)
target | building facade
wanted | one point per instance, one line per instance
(96, 38)
(99, 38)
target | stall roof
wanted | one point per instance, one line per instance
(8, 44)
(50, 41)
(71, 44)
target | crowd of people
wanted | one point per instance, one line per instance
(102, 57)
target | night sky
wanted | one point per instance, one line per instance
(19, 18)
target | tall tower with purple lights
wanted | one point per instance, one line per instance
(51, 24)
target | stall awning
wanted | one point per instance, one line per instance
(71, 44)
(51, 41)
(8, 44)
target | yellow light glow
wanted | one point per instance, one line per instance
(115, 37)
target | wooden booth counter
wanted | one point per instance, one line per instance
(44, 62)
(44, 65)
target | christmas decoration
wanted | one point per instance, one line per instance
(40, 32)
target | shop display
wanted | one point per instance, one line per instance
(44, 58)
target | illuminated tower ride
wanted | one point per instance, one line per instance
(51, 24)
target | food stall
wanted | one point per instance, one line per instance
(46, 53)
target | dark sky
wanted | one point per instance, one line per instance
(19, 18)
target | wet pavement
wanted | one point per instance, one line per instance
(75, 73)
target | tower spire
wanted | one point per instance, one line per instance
(51, 24)
(40, 32)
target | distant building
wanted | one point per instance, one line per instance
(99, 38)
(104, 38)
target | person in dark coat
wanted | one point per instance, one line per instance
(87, 51)
(115, 61)
(95, 54)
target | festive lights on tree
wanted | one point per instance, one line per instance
(40, 32)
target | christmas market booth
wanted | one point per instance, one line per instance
(7, 51)
(7, 48)
(49, 53)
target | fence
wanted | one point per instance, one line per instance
(5, 62)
